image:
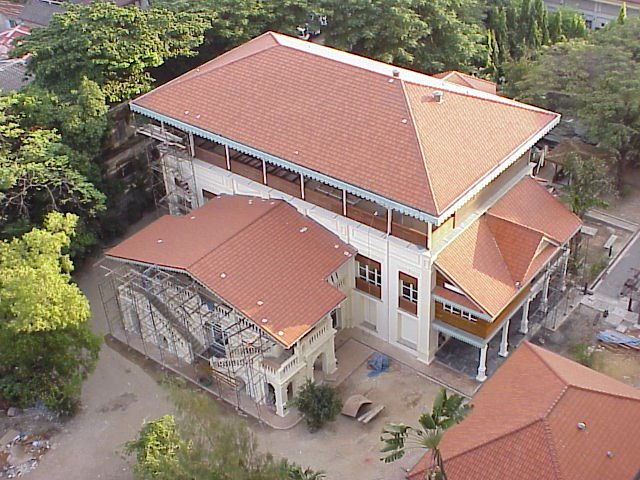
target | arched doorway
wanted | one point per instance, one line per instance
(319, 367)
(270, 399)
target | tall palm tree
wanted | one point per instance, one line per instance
(447, 410)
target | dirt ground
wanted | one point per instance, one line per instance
(121, 394)
(581, 328)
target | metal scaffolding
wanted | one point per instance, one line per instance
(171, 318)
(171, 168)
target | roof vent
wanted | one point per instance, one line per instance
(438, 96)
(259, 303)
(159, 240)
(223, 275)
(281, 333)
(582, 426)
(395, 72)
(609, 454)
(264, 320)
(303, 229)
(517, 284)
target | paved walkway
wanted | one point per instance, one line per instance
(436, 371)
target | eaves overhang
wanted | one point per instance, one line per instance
(246, 149)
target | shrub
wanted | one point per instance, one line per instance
(582, 354)
(318, 404)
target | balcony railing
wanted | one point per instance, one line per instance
(317, 193)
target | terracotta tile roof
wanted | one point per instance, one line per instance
(529, 204)
(349, 118)
(248, 250)
(501, 251)
(8, 37)
(10, 9)
(466, 80)
(525, 420)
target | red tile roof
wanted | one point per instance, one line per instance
(248, 250)
(349, 118)
(501, 251)
(524, 424)
(466, 80)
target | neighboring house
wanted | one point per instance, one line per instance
(13, 72)
(428, 180)
(596, 13)
(39, 12)
(544, 417)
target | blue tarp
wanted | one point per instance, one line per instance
(617, 338)
(377, 363)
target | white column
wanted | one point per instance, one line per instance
(227, 157)
(565, 266)
(264, 172)
(280, 399)
(302, 186)
(524, 323)
(389, 217)
(330, 365)
(192, 145)
(482, 365)
(504, 341)
(545, 292)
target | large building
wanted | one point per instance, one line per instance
(426, 179)
(544, 417)
(596, 13)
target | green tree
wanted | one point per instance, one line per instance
(38, 173)
(622, 14)
(318, 404)
(202, 443)
(595, 82)
(589, 180)
(447, 410)
(112, 46)
(46, 346)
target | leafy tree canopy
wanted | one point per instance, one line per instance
(594, 81)
(38, 172)
(110, 45)
(46, 347)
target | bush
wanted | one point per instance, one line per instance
(318, 404)
(582, 354)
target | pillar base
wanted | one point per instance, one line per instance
(481, 377)
(503, 354)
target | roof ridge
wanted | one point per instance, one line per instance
(502, 254)
(419, 78)
(553, 453)
(416, 136)
(522, 225)
(279, 203)
(549, 367)
(602, 392)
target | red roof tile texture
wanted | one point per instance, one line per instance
(525, 424)
(349, 118)
(503, 250)
(261, 256)
(466, 80)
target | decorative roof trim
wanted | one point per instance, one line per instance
(388, 203)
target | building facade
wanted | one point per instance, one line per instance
(596, 13)
(427, 180)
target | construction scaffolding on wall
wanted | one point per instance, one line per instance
(171, 319)
(171, 169)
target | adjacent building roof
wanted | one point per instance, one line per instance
(377, 127)
(261, 256)
(544, 417)
(40, 12)
(503, 249)
(13, 76)
(466, 80)
(7, 38)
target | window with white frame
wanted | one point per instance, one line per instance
(408, 292)
(458, 311)
(368, 276)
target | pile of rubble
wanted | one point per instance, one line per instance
(20, 452)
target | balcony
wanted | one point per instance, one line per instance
(322, 195)
(282, 369)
